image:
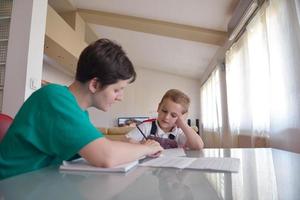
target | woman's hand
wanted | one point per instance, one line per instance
(154, 148)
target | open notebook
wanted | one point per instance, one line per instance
(82, 165)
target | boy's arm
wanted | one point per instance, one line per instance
(103, 152)
(193, 140)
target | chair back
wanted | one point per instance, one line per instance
(5, 122)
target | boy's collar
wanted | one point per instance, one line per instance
(172, 129)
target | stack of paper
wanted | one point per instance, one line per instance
(82, 165)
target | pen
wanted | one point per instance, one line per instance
(141, 132)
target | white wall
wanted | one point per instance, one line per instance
(53, 73)
(23, 68)
(141, 97)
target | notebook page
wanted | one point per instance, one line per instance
(174, 152)
(169, 161)
(216, 164)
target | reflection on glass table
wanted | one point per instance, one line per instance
(264, 174)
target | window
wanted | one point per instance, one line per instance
(262, 75)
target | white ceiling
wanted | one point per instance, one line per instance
(211, 14)
(173, 55)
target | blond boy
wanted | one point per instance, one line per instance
(170, 128)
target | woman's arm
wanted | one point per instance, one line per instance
(137, 135)
(103, 152)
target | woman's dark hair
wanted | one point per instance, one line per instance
(106, 61)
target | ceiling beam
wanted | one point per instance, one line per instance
(62, 5)
(62, 42)
(163, 28)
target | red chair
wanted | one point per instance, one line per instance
(5, 122)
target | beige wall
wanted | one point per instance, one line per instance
(53, 73)
(141, 97)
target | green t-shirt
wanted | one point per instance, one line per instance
(50, 127)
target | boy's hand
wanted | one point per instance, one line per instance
(181, 120)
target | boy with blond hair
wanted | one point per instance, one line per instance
(170, 128)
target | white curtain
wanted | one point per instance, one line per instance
(211, 110)
(283, 21)
(248, 79)
(262, 71)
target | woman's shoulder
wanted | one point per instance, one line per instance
(52, 94)
(50, 88)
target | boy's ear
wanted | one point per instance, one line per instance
(94, 85)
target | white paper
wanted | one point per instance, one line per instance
(216, 164)
(177, 152)
(208, 163)
(82, 165)
(169, 161)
